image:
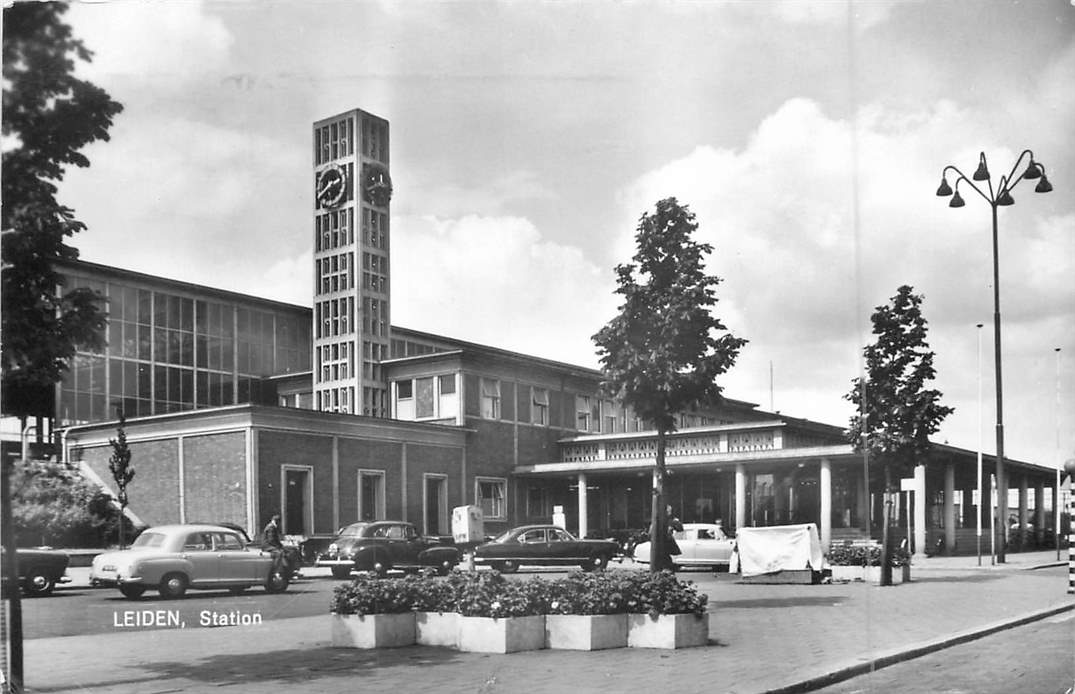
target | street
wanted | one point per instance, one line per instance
(1037, 658)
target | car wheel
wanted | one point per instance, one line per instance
(341, 572)
(38, 584)
(173, 586)
(276, 582)
(508, 567)
(132, 592)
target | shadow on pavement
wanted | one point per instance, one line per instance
(296, 665)
(802, 601)
(976, 577)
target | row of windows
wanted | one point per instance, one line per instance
(335, 362)
(334, 140)
(336, 399)
(334, 316)
(374, 402)
(375, 316)
(334, 229)
(375, 282)
(375, 228)
(373, 353)
(375, 139)
(335, 272)
(429, 397)
(490, 402)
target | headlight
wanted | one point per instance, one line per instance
(333, 548)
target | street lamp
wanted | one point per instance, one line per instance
(1001, 197)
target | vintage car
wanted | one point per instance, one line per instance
(40, 570)
(380, 546)
(544, 545)
(700, 544)
(293, 551)
(173, 558)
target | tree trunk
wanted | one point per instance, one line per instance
(658, 527)
(886, 536)
(122, 538)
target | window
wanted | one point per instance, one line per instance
(424, 399)
(539, 413)
(370, 495)
(226, 542)
(532, 537)
(558, 535)
(447, 384)
(583, 414)
(405, 389)
(490, 493)
(490, 394)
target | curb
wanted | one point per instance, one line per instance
(898, 656)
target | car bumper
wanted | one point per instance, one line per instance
(335, 562)
(115, 581)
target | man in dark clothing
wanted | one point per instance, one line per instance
(674, 526)
(271, 542)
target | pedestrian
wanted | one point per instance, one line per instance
(272, 542)
(674, 526)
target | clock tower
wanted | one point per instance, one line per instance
(351, 318)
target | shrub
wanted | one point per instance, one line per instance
(865, 555)
(488, 594)
(378, 596)
(662, 593)
(605, 592)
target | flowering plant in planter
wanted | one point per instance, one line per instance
(663, 594)
(600, 593)
(865, 555)
(379, 596)
(488, 594)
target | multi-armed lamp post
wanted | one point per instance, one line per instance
(1001, 197)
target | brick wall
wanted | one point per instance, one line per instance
(442, 460)
(358, 454)
(154, 492)
(214, 478)
(279, 448)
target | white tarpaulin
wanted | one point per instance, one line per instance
(779, 548)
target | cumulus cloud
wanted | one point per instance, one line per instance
(496, 281)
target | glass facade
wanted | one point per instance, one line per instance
(170, 352)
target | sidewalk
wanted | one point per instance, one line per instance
(763, 638)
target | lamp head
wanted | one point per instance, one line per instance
(956, 201)
(1005, 198)
(944, 189)
(1043, 185)
(1033, 170)
(982, 173)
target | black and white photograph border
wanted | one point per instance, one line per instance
(341, 262)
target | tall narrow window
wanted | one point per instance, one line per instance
(490, 405)
(539, 413)
(490, 493)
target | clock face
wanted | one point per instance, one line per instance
(331, 186)
(377, 185)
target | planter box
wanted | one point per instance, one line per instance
(373, 630)
(667, 631)
(436, 628)
(579, 632)
(869, 574)
(503, 635)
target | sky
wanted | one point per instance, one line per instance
(527, 139)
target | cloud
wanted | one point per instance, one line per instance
(495, 281)
(154, 41)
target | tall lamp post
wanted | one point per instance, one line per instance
(1001, 197)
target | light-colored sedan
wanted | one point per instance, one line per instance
(173, 558)
(700, 544)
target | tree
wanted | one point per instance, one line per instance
(662, 353)
(48, 116)
(896, 412)
(119, 463)
(53, 505)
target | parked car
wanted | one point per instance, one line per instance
(39, 570)
(700, 544)
(544, 545)
(175, 558)
(293, 551)
(380, 546)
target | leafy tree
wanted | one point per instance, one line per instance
(896, 412)
(53, 505)
(48, 116)
(119, 463)
(662, 354)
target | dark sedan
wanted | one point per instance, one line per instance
(544, 545)
(380, 546)
(40, 570)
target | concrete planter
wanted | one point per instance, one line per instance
(667, 630)
(436, 628)
(501, 635)
(585, 632)
(373, 630)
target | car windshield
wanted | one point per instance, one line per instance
(148, 539)
(354, 530)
